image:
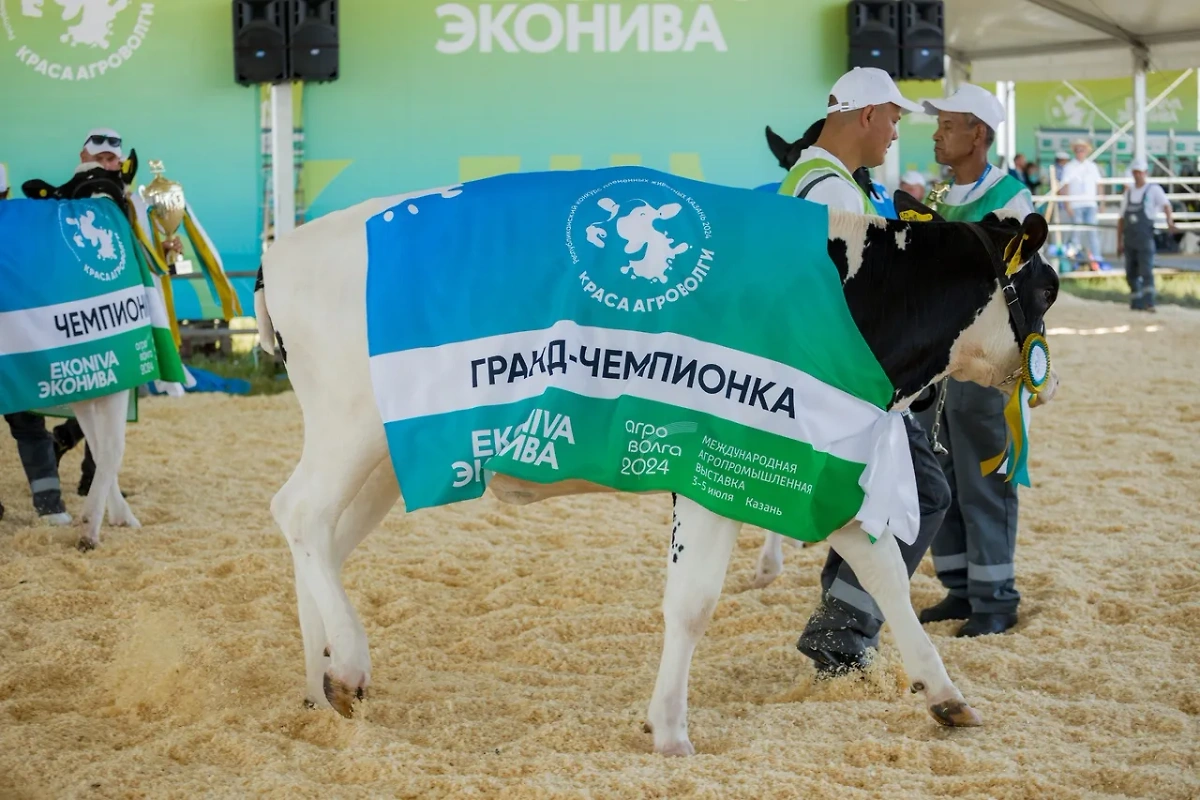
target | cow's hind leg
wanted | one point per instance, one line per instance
(701, 543)
(334, 466)
(880, 569)
(365, 512)
(103, 422)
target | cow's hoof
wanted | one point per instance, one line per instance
(342, 696)
(680, 748)
(310, 704)
(763, 578)
(85, 545)
(327, 651)
(956, 714)
(647, 727)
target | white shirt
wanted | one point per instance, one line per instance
(1156, 198)
(835, 192)
(962, 193)
(1081, 177)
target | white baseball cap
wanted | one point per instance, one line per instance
(1139, 164)
(103, 140)
(970, 99)
(3, 178)
(867, 86)
(913, 178)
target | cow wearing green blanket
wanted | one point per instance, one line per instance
(81, 320)
(625, 330)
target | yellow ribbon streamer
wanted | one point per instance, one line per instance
(230, 305)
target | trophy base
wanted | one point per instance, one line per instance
(183, 267)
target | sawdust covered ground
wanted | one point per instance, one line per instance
(514, 650)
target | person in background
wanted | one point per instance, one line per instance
(1082, 177)
(860, 125)
(973, 553)
(35, 447)
(914, 183)
(1060, 164)
(1033, 177)
(1135, 234)
(1017, 170)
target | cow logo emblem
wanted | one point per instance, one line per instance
(75, 40)
(646, 244)
(98, 248)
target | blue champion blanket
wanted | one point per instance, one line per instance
(637, 330)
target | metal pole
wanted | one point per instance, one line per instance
(1010, 121)
(1003, 153)
(283, 166)
(1140, 63)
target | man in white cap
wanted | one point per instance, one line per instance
(860, 125)
(973, 552)
(102, 146)
(913, 182)
(966, 129)
(1081, 177)
(1135, 234)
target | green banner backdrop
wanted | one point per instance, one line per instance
(434, 92)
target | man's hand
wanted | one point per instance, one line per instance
(173, 245)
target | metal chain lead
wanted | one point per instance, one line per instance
(937, 419)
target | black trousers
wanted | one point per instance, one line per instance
(35, 446)
(848, 621)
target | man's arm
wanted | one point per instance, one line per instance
(1166, 207)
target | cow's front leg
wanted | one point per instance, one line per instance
(879, 567)
(701, 543)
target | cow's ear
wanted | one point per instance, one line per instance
(910, 209)
(129, 167)
(1021, 248)
(779, 147)
(38, 189)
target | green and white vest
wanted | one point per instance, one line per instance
(803, 172)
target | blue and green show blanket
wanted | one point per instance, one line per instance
(638, 330)
(79, 314)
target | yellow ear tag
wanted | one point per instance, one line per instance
(912, 215)
(1012, 253)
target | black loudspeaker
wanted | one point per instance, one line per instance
(260, 37)
(313, 40)
(922, 39)
(874, 32)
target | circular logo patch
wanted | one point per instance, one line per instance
(639, 244)
(75, 40)
(92, 241)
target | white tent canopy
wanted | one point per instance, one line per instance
(1030, 40)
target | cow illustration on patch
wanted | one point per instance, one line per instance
(654, 235)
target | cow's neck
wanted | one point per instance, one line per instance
(912, 289)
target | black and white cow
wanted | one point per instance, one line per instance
(929, 302)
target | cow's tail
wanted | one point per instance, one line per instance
(266, 330)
